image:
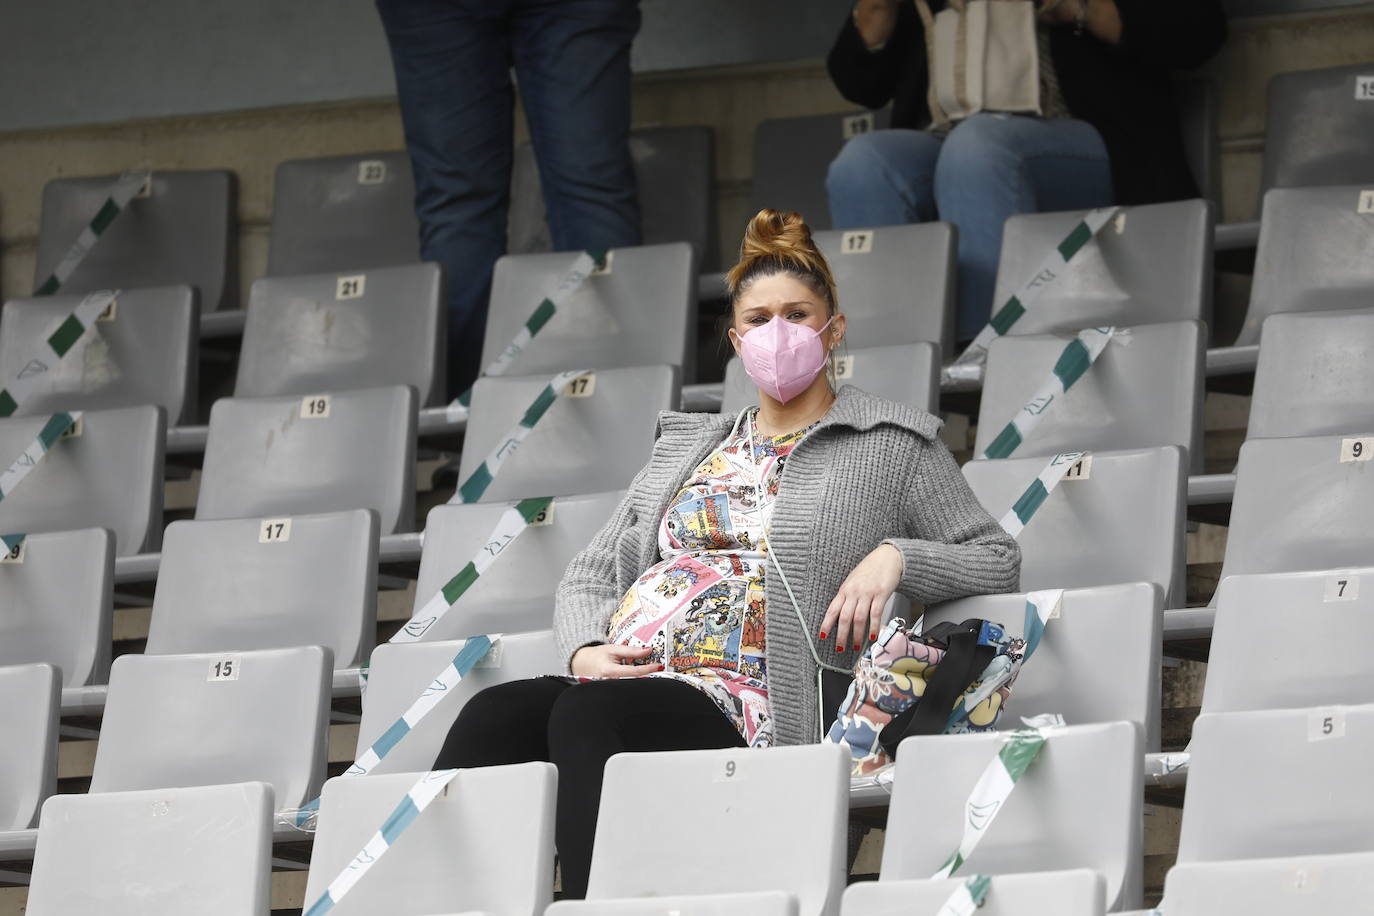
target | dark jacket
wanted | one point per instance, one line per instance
(1125, 91)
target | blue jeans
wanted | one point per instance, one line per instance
(989, 167)
(453, 62)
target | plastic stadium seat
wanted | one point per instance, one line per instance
(755, 903)
(164, 852)
(1123, 524)
(1319, 129)
(1279, 782)
(1072, 674)
(109, 476)
(182, 233)
(1313, 254)
(1157, 268)
(675, 174)
(1251, 666)
(1293, 886)
(1145, 390)
(29, 704)
(642, 312)
(905, 373)
(243, 584)
(1057, 893)
(199, 720)
(792, 156)
(147, 353)
(269, 457)
(56, 603)
(1315, 372)
(794, 799)
(1077, 806)
(1298, 507)
(485, 844)
(400, 673)
(328, 332)
(516, 594)
(342, 214)
(567, 452)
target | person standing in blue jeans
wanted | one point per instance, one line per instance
(1120, 142)
(453, 61)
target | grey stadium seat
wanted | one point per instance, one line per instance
(1281, 782)
(1319, 129)
(1285, 886)
(1078, 805)
(243, 584)
(516, 594)
(1056, 893)
(567, 453)
(1072, 673)
(56, 604)
(1315, 372)
(30, 700)
(905, 373)
(1120, 278)
(485, 844)
(640, 313)
(110, 476)
(199, 720)
(343, 214)
(163, 852)
(792, 156)
(266, 458)
(147, 353)
(400, 673)
(1123, 524)
(181, 233)
(362, 329)
(1313, 254)
(755, 903)
(1252, 666)
(1298, 507)
(794, 799)
(1145, 390)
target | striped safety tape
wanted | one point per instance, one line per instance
(1073, 362)
(967, 897)
(48, 436)
(1041, 608)
(969, 365)
(58, 344)
(129, 186)
(1026, 505)
(417, 799)
(472, 489)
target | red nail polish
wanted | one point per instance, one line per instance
(857, 647)
(839, 648)
(873, 637)
(822, 634)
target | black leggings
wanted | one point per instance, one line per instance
(578, 727)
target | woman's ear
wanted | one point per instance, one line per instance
(734, 338)
(836, 332)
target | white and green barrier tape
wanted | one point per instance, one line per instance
(129, 186)
(967, 897)
(1026, 505)
(48, 436)
(55, 348)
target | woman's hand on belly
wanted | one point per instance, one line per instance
(612, 661)
(857, 609)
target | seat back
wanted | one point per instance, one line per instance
(200, 720)
(109, 476)
(343, 214)
(1076, 806)
(244, 584)
(30, 702)
(1057, 893)
(795, 800)
(272, 457)
(1123, 524)
(1196, 99)
(1318, 128)
(905, 373)
(326, 332)
(1278, 782)
(1315, 372)
(792, 156)
(163, 852)
(566, 452)
(147, 352)
(485, 844)
(182, 233)
(1116, 278)
(515, 594)
(56, 603)
(1283, 886)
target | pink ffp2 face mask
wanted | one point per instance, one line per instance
(782, 357)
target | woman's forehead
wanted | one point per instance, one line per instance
(777, 290)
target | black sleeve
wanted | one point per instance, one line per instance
(1172, 34)
(872, 78)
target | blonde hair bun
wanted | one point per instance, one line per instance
(776, 242)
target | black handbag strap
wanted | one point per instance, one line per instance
(963, 662)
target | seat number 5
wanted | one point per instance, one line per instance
(1326, 723)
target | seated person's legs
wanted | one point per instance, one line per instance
(506, 723)
(883, 178)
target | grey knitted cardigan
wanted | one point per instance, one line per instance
(872, 471)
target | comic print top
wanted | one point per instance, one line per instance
(701, 608)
